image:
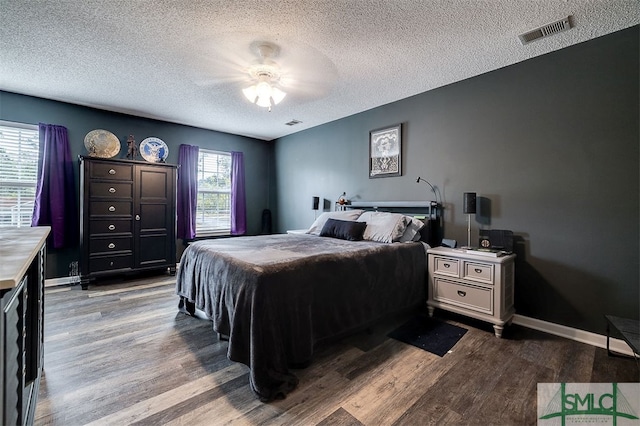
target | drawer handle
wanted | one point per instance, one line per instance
(112, 190)
(111, 246)
(137, 217)
(446, 265)
(462, 293)
(112, 227)
(110, 263)
(478, 270)
(112, 209)
(112, 172)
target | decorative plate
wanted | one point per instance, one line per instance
(101, 143)
(154, 150)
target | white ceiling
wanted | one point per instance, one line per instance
(185, 61)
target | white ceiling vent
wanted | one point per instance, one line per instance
(293, 122)
(545, 31)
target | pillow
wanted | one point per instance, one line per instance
(383, 227)
(343, 229)
(341, 215)
(412, 232)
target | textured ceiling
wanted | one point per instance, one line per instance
(185, 61)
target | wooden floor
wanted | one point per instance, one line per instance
(120, 353)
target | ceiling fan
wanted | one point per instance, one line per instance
(266, 75)
(262, 70)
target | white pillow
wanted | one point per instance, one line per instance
(383, 227)
(340, 215)
(412, 232)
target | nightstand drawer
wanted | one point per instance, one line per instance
(480, 272)
(446, 266)
(470, 297)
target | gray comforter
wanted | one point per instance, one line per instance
(276, 296)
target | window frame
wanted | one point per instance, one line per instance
(210, 231)
(21, 183)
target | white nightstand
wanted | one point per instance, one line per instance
(297, 231)
(475, 285)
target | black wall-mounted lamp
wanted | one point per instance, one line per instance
(432, 188)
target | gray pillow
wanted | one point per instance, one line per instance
(383, 227)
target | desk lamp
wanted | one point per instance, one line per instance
(469, 208)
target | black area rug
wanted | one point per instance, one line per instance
(429, 334)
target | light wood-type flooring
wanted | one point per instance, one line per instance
(120, 353)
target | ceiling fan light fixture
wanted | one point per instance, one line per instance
(266, 73)
(263, 89)
(264, 94)
(250, 93)
(277, 95)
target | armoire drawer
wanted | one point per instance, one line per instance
(110, 263)
(110, 208)
(109, 226)
(111, 190)
(471, 297)
(110, 244)
(111, 171)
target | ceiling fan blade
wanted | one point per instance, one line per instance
(227, 58)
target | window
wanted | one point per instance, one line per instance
(18, 172)
(214, 193)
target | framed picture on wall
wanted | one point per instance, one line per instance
(385, 152)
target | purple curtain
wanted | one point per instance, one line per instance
(187, 191)
(55, 203)
(238, 204)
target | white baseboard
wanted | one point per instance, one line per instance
(53, 282)
(594, 339)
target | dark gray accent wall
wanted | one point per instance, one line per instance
(80, 120)
(550, 145)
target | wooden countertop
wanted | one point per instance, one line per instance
(18, 248)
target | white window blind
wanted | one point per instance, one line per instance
(18, 172)
(214, 193)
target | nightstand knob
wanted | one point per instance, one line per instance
(478, 270)
(112, 172)
(112, 227)
(462, 293)
(112, 209)
(112, 246)
(112, 190)
(446, 265)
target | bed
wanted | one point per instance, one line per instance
(277, 296)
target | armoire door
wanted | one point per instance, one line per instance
(154, 216)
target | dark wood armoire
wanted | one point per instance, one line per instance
(127, 217)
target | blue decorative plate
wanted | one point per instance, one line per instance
(154, 150)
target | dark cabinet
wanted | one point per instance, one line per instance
(21, 322)
(128, 217)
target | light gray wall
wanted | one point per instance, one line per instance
(80, 120)
(551, 146)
